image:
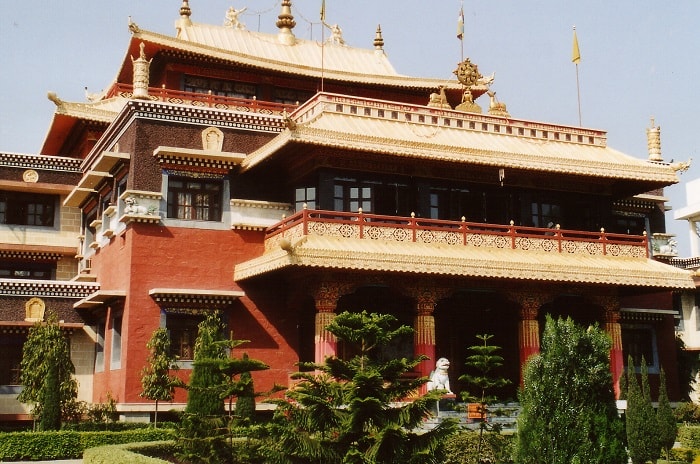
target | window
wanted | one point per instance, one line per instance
(27, 209)
(28, 270)
(639, 340)
(453, 203)
(195, 199)
(11, 348)
(116, 343)
(183, 331)
(100, 347)
(305, 195)
(351, 195)
(196, 84)
(542, 214)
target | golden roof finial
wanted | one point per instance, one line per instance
(285, 23)
(185, 13)
(378, 39)
(654, 142)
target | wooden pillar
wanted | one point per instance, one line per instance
(611, 306)
(529, 327)
(326, 296)
(424, 325)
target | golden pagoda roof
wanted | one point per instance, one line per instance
(427, 133)
(307, 58)
(326, 252)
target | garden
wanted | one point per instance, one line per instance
(355, 410)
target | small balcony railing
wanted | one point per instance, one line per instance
(454, 233)
(208, 100)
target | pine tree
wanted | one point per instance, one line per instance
(568, 405)
(201, 436)
(46, 349)
(355, 410)
(245, 402)
(640, 419)
(157, 382)
(667, 425)
(483, 382)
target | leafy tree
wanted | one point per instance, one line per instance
(667, 426)
(355, 410)
(483, 382)
(157, 382)
(641, 425)
(47, 371)
(568, 406)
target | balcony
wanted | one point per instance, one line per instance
(208, 100)
(452, 233)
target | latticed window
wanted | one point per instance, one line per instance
(27, 209)
(195, 199)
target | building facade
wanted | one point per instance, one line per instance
(279, 182)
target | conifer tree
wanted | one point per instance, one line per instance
(46, 350)
(51, 401)
(201, 436)
(568, 406)
(483, 381)
(640, 419)
(354, 410)
(156, 380)
(667, 425)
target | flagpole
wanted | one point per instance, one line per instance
(323, 39)
(460, 29)
(578, 94)
(576, 58)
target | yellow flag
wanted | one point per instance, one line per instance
(323, 10)
(575, 54)
(460, 24)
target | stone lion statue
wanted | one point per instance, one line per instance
(132, 207)
(439, 380)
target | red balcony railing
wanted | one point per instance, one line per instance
(208, 100)
(455, 233)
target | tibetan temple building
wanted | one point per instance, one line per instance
(279, 182)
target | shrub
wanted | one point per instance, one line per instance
(67, 444)
(688, 413)
(689, 436)
(462, 448)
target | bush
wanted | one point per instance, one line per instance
(687, 413)
(114, 426)
(67, 444)
(461, 448)
(689, 436)
(683, 454)
(133, 453)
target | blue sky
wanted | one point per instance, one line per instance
(639, 59)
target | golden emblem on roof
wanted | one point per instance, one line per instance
(467, 73)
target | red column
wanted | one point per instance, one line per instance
(326, 297)
(612, 327)
(528, 328)
(424, 324)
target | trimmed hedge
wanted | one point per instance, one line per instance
(36, 446)
(689, 436)
(133, 453)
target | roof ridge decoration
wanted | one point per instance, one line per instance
(231, 18)
(184, 21)
(286, 23)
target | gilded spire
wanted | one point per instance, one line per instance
(654, 142)
(185, 13)
(378, 39)
(285, 23)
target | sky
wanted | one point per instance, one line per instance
(639, 59)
